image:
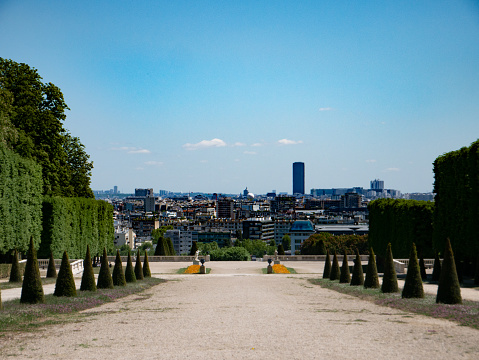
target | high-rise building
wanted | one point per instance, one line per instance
(377, 184)
(298, 178)
(225, 208)
(144, 192)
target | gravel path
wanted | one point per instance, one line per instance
(237, 313)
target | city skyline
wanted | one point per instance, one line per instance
(212, 96)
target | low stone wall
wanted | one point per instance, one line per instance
(313, 257)
(162, 258)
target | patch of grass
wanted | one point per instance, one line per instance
(28, 317)
(182, 271)
(466, 314)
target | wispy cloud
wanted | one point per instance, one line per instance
(153, 163)
(205, 144)
(139, 151)
(371, 161)
(249, 152)
(239, 144)
(289, 142)
(257, 144)
(131, 150)
(392, 169)
(325, 109)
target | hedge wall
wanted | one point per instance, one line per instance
(401, 222)
(70, 224)
(21, 187)
(457, 201)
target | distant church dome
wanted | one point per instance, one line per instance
(250, 195)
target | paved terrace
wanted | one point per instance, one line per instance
(238, 313)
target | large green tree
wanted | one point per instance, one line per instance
(33, 113)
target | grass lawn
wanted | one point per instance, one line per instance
(466, 314)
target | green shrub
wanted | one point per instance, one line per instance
(327, 266)
(345, 277)
(335, 271)
(32, 289)
(413, 285)
(15, 275)
(65, 285)
(129, 271)
(138, 268)
(146, 267)
(105, 281)
(449, 290)
(51, 271)
(171, 248)
(358, 275)
(193, 249)
(118, 275)
(372, 279)
(161, 247)
(88, 277)
(422, 268)
(230, 254)
(436, 271)
(390, 280)
(280, 249)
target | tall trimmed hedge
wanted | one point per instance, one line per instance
(400, 222)
(21, 186)
(456, 186)
(71, 224)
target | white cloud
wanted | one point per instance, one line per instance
(139, 151)
(392, 169)
(239, 144)
(289, 142)
(257, 144)
(249, 152)
(371, 161)
(205, 144)
(325, 109)
(153, 163)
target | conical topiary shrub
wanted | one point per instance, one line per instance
(88, 277)
(372, 279)
(194, 247)
(436, 271)
(118, 275)
(105, 281)
(335, 272)
(65, 285)
(171, 248)
(345, 277)
(129, 271)
(161, 247)
(51, 271)
(138, 267)
(422, 268)
(390, 280)
(280, 249)
(32, 289)
(146, 266)
(413, 285)
(358, 275)
(327, 266)
(449, 290)
(15, 273)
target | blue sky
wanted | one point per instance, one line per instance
(214, 96)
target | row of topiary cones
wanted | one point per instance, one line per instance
(448, 291)
(32, 289)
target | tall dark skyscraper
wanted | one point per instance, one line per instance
(298, 178)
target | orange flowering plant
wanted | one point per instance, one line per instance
(280, 269)
(193, 269)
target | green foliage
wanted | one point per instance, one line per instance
(65, 285)
(162, 247)
(345, 276)
(286, 241)
(390, 281)
(280, 249)
(129, 271)
(335, 271)
(51, 271)
(32, 289)
(422, 268)
(372, 278)
(456, 187)
(1, 305)
(230, 254)
(105, 281)
(138, 267)
(413, 286)
(15, 275)
(20, 201)
(327, 266)
(36, 110)
(256, 247)
(171, 248)
(398, 222)
(88, 277)
(73, 223)
(436, 271)
(118, 275)
(146, 267)
(317, 244)
(358, 276)
(449, 290)
(157, 234)
(193, 249)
